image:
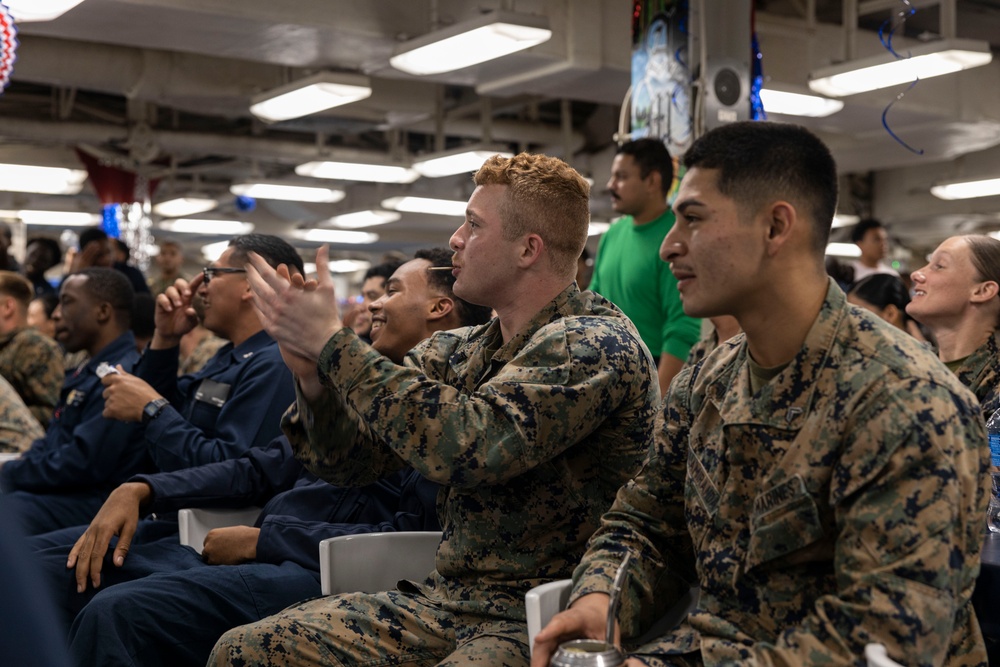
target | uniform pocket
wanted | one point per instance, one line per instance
(785, 519)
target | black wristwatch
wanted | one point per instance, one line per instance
(153, 410)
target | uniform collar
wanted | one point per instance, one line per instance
(785, 401)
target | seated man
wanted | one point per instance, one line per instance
(236, 400)
(18, 428)
(822, 476)
(530, 424)
(180, 605)
(30, 361)
(66, 475)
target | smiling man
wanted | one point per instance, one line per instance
(529, 423)
(244, 573)
(821, 476)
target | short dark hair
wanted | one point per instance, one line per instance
(468, 314)
(49, 302)
(92, 234)
(143, 315)
(383, 270)
(121, 245)
(760, 161)
(881, 290)
(111, 286)
(861, 228)
(51, 244)
(17, 287)
(651, 155)
(274, 250)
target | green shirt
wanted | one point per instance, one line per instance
(628, 272)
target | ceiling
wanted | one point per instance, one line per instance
(162, 87)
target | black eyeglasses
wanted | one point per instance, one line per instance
(210, 272)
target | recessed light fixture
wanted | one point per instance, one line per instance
(358, 171)
(184, 206)
(58, 218)
(486, 37)
(335, 236)
(426, 205)
(944, 56)
(798, 104)
(213, 227)
(310, 95)
(458, 161)
(24, 11)
(989, 187)
(41, 180)
(596, 228)
(287, 192)
(843, 250)
(360, 219)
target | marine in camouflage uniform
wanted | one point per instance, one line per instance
(33, 364)
(18, 428)
(531, 440)
(839, 504)
(980, 372)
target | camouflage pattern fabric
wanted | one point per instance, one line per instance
(33, 364)
(530, 439)
(157, 284)
(701, 349)
(202, 352)
(980, 372)
(18, 428)
(841, 504)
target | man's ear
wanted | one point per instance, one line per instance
(8, 306)
(782, 221)
(532, 248)
(441, 306)
(103, 312)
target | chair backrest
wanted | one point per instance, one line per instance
(373, 562)
(194, 523)
(876, 656)
(543, 602)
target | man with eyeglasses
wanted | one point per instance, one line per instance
(236, 400)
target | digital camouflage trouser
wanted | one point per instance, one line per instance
(390, 628)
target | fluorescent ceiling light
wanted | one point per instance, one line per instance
(357, 171)
(213, 251)
(310, 95)
(41, 180)
(926, 60)
(363, 219)
(346, 266)
(215, 227)
(24, 11)
(843, 250)
(335, 236)
(461, 161)
(286, 192)
(59, 218)
(597, 228)
(426, 205)
(967, 190)
(797, 104)
(182, 206)
(844, 220)
(492, 35)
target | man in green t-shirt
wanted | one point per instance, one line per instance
(628, 270)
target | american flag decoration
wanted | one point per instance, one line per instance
(8, 46)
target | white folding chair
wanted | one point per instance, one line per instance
(373, 562)
(194, 523)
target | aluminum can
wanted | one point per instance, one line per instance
(586, 653)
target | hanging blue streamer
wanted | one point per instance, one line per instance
(885, 124)
(111, 218)
(756, 80)
(886, 39)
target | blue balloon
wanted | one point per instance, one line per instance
(245, 204)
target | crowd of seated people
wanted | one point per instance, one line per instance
(816, 469)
